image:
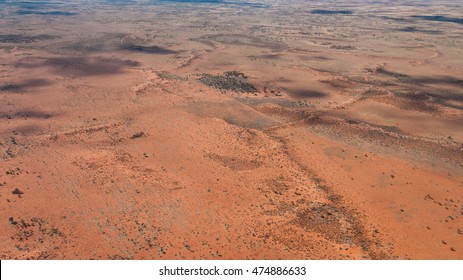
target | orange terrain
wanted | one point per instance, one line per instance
(220, 130)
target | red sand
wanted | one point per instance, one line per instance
(350, 148)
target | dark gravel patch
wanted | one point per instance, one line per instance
(231, 80)
(24, 39)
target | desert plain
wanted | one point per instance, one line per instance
(218, 129)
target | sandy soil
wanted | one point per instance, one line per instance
(264, 130)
